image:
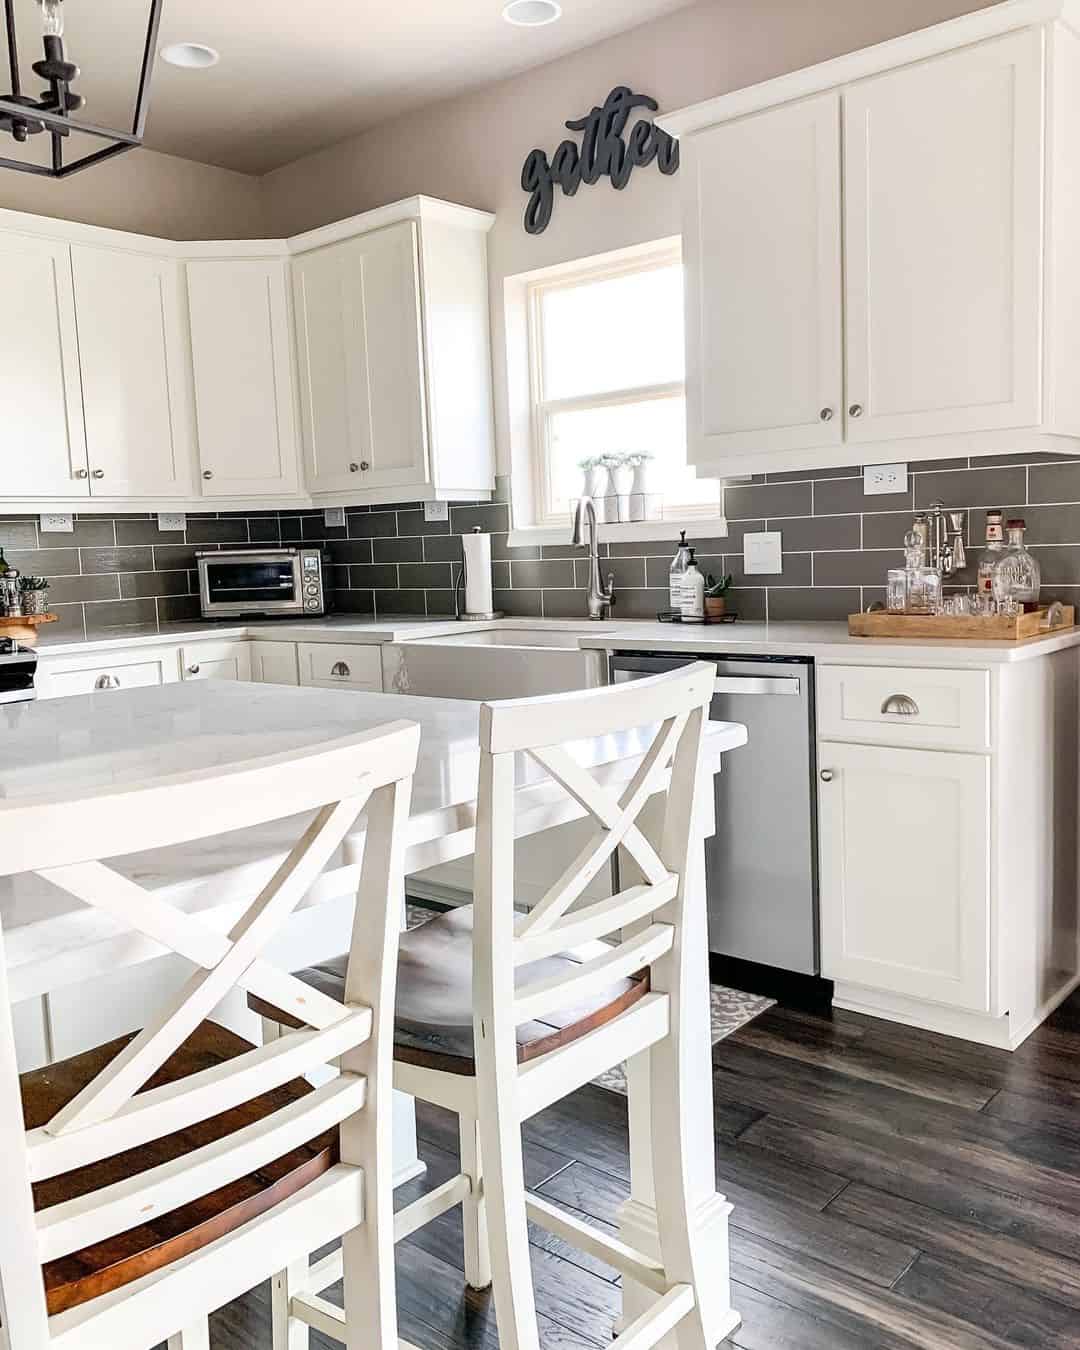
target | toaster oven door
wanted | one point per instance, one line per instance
(255, 584)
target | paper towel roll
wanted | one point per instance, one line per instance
(476, 548)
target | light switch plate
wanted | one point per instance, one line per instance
(54, 523)
(334, 516)
(171, 521)
(763, 553)
(882, 479)
(436, 510)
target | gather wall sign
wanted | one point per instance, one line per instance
(606, 150)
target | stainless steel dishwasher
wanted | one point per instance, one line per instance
(762, 862)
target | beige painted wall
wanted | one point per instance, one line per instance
(470, 149)
(148, 193)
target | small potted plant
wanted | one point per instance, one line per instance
(716, 593)
(34, 592)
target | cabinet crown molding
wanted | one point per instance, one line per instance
(994, 21)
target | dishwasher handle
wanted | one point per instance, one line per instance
(772, 685)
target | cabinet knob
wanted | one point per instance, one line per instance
(826, 414)
(81, 473)
(208, 474)
(855, 410)
(106, 682)
(98, 473)
(900, 705)
(341, 670)
(826, 775)
(193, 670)
(354, 467)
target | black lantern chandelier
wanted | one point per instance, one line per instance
(23, 117)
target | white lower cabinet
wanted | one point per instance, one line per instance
(97, 672)
(905, 871)
(274, 663)
(228, 660)
(329, 665)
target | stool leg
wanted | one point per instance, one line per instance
(194, 1337)
(473, 1213)
(289, 1333)
(508, 1232)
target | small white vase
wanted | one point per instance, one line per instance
(623, 482)
(596, 487)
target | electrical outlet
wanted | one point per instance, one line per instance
(763, 553)
(334, 516)
(171, 521)
(436, 510)
(882, 479)
(54, 523)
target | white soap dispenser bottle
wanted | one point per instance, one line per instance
(693, 592)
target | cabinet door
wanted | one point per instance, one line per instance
(216, 661)
(763, 283)
(905, 884)
(42, 442)
(274, 663)
(943, 243)
(245, 415)
(135, 668)
(132, 349)
(361, 364)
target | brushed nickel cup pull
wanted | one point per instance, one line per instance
(826, 414)
(106, 682)
(826, 775)
(341, 670)
(900, 705)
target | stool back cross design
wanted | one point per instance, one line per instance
(151, 1181)
(561, 994)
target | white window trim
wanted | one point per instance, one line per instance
(523, 295)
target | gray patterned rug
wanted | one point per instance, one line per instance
(731, 1008)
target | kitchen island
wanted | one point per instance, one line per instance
(78, 978)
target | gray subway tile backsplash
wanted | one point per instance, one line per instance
(111, 573)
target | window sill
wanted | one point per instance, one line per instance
(701, 527)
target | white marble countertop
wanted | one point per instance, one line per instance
(95, 743)
(827, 642)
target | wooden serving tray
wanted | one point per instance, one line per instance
(23, 627)
(992, 628)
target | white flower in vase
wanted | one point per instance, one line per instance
(596, 482)
(622, 478)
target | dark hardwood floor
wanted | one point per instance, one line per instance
(892, 1188)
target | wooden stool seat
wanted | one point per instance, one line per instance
(433, 1022)
(80, 1276)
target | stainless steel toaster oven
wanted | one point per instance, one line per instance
(269, 582)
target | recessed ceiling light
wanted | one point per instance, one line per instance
(532, 13)
(190, 55)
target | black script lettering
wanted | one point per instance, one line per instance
(606, 149)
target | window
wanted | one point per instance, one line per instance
(608, 373)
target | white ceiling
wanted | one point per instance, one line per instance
(296, 75)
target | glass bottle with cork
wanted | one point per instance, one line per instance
(1017, 576)
(995, 546)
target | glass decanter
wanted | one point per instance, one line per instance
(923, 582)
(1016, 575)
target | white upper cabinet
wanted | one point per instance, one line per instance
(766, 360)
(943, 170)
(42, 444)
(940, 320)
(135, 380)
(241, 350)
(361, 362)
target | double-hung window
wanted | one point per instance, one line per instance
(608, 372)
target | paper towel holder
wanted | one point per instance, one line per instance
(460, 614)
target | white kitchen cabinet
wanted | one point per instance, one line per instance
(331, 665)
(940, 320)
(943, 211)
(133, 353)
(361, 362)
(905, 873)
(42, 442)
(245, 405)
(766, 363)
(394, 357)
(99, 672)
(274, 662)
(224, 660)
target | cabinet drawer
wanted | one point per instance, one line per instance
(941, 708)
(216, 661)
(346, 666)
(66, 676)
